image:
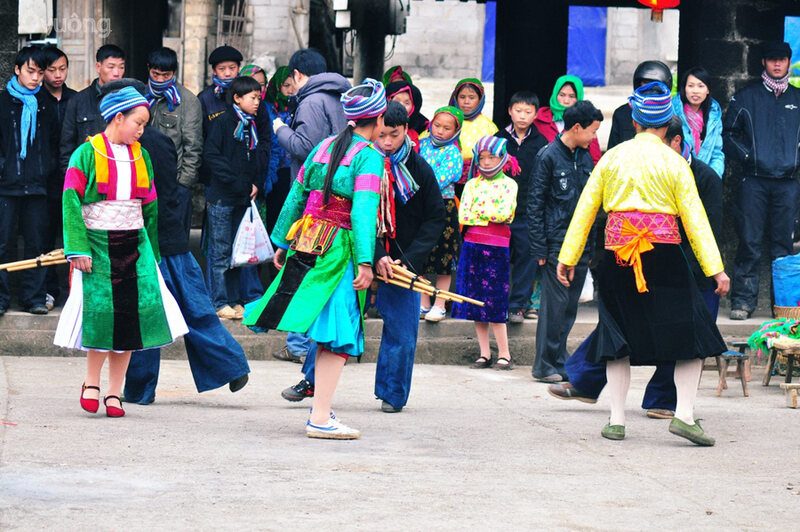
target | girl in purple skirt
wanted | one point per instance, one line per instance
(487, 209)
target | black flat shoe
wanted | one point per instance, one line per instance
(482, 362)
(504, 364)
(238, 383)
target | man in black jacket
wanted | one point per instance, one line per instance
(28, 140)
(214, 355)
(82, 118)
(560, 173)
(524, 143)
(58, 95)
(762, 133)
(419, 220)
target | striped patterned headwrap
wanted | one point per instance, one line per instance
(651, 110)
(357, 107)
(121, 101)
(494, 145)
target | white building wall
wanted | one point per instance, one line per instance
(274, 36)
(442, 40)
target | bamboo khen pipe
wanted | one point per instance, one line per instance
(404, 279)
(47, 259)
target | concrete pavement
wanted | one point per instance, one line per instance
(474, 450)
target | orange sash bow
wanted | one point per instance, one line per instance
(629, 254)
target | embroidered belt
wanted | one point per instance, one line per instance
(117, 215)
(490, 235)
(631, 233)
(315, 230)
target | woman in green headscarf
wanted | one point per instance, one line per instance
(278, 181)
(567, 91)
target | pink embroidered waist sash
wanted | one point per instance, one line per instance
(490, 235)
(659, 228)
(631, 233)
(337, 211)
(314, 232)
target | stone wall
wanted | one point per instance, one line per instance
(8, 38)
(199, 38)
(274, 36)
(442, 40)
(632, 38)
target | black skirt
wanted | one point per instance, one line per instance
(669, 323)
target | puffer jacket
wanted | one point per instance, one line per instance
(318, 115)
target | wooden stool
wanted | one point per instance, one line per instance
(791, 394)
(722, 363)
(742, 347)
(783, 351)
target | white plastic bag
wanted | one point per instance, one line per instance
(251, 245)
(587, 294)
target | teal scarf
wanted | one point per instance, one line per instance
(27, 125)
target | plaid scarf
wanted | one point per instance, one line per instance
(404, 182)
(245, 120)
(163, 89)
(220, 85)
(777, 86)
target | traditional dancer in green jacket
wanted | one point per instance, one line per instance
(118, 301)
(328, 225)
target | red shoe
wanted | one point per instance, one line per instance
(90, 405)
(113, 411)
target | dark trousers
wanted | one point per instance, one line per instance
(523, 266)
(400, 311)
(590, 378)
(26, 216)
(557, 311)
(53, 241)
(215, 357)
(765, 211)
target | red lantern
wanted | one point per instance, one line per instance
(657, 7)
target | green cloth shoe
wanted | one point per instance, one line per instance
(693, 433)
(613, 432)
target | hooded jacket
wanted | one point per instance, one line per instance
(711, 146)
(318, 115)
